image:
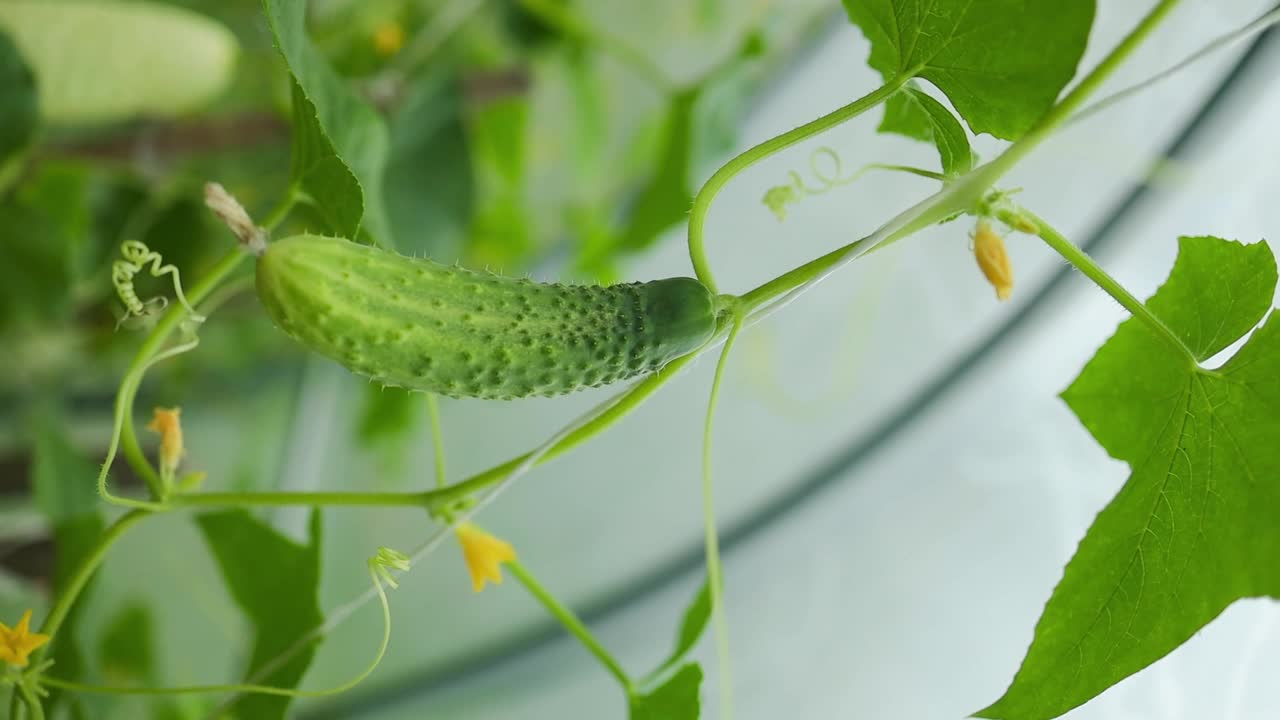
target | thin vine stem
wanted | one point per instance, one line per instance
(715, 573)
(1090, 269)
(962, 194)
(714, 184)
(283, 499)
(248, 688)
(571, 623)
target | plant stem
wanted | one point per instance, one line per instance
(32, 702)
(314, 499)
(639, 392)
(571, 623)
(708, 192)
(150, 348)
(82, 574)
(1090, 269)
(715, 574)
(963, 193)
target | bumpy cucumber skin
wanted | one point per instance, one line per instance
(421, 325)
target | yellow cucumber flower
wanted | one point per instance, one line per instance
(17, 643)
(484, 554)
(166, 422)
(988, 248)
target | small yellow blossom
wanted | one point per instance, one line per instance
(17, 643)
(388, 39)
(166, 422)
(988, 248)
(484, 554)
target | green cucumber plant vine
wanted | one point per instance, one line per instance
(1189, 533)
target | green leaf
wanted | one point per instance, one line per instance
(913, 113)
(1194, 528)
(35, 267)
(19, 114)
(388, 413)
(126, 648)
(1002, 63)
(340, 143)
(63, 484)
(676, 699)
(109, 61)
(429, 184)
(720, 106)
(666, 197)
(691, 628)
(497, 135)
(275, 581)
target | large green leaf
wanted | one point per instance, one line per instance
(1194, 528)
(340, 143)
(98, 61)
(913, 113)
(275, 582)
(1001, 62)
(676, 699)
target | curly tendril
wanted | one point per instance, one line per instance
(825, 179)
(135, 258)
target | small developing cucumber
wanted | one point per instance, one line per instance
(421, 325)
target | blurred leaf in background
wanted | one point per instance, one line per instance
(19, 113)
(63, 486)
(275, 581)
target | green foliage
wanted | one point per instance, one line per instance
(429, 184)
(19, 114)
(695, 620)
(497, 136)
(1002, 63)
(340, 143)
(275, 582)
(387, 414)
(676, 699)
(1193, 529)
(914, 113)
(62, 482)
(126, 648)
(128, 58)
(695, 129)
(666, 198)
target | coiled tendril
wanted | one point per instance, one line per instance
(135, 258)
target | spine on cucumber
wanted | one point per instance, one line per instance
(421, 325)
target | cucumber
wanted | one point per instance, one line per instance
(417, 324)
